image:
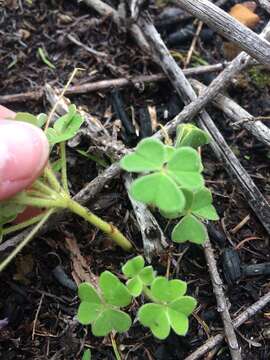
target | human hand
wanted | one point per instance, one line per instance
(24, 152)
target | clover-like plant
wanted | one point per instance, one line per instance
(168, 309)
(139, 275)
(172, 181)
(48, 192)
(101, 308)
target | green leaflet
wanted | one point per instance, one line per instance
(160, 190)
(191, 135)
(149, 155)
(87, 355)
(185, 168)
(168, 290)
(138, 275)
(191, 229)
(9, 211)
(202, 205)
(66, 127)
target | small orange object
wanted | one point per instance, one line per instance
(244, 13)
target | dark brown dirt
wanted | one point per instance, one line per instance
(28, 283)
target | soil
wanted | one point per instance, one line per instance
(41, 312)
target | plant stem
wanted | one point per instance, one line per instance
(22, 225)
(107, 228)
(149, 295)
(64, 166)
(59, 202)
(43, 188)
(116, 352)
(25, 241)
(49, 174)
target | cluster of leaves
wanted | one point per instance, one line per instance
(169, 306)
(63, 129)
(173, 181)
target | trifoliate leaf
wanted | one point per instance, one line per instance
(168, 290)
(154, 316)
(159, 190)
(133, 266)
(149, 155)
(114, 292)
(185, 168)
(189, 229)
(109, 320)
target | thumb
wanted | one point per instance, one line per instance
(24, 152)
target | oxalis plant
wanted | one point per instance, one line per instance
(167, 305)
(172, 182)
(48, 192)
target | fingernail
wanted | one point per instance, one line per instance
(24, 152)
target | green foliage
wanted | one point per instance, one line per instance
(169, 307)
(173, 182)
(149, 155)
(66, 127)
(38, 120)
(138, 275)
(45, 59)
(170, 169)
(198, 206)
(9, 212)
(87, 355)
(102, 311)
(159, 190)
(190, 135)
(259, 77)
(191, 229)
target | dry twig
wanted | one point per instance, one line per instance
(229, 27)
(237, 322)
(235, 112)
(108, 84)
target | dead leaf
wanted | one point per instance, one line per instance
(81, 270)
(244, 13)
(24, 266)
